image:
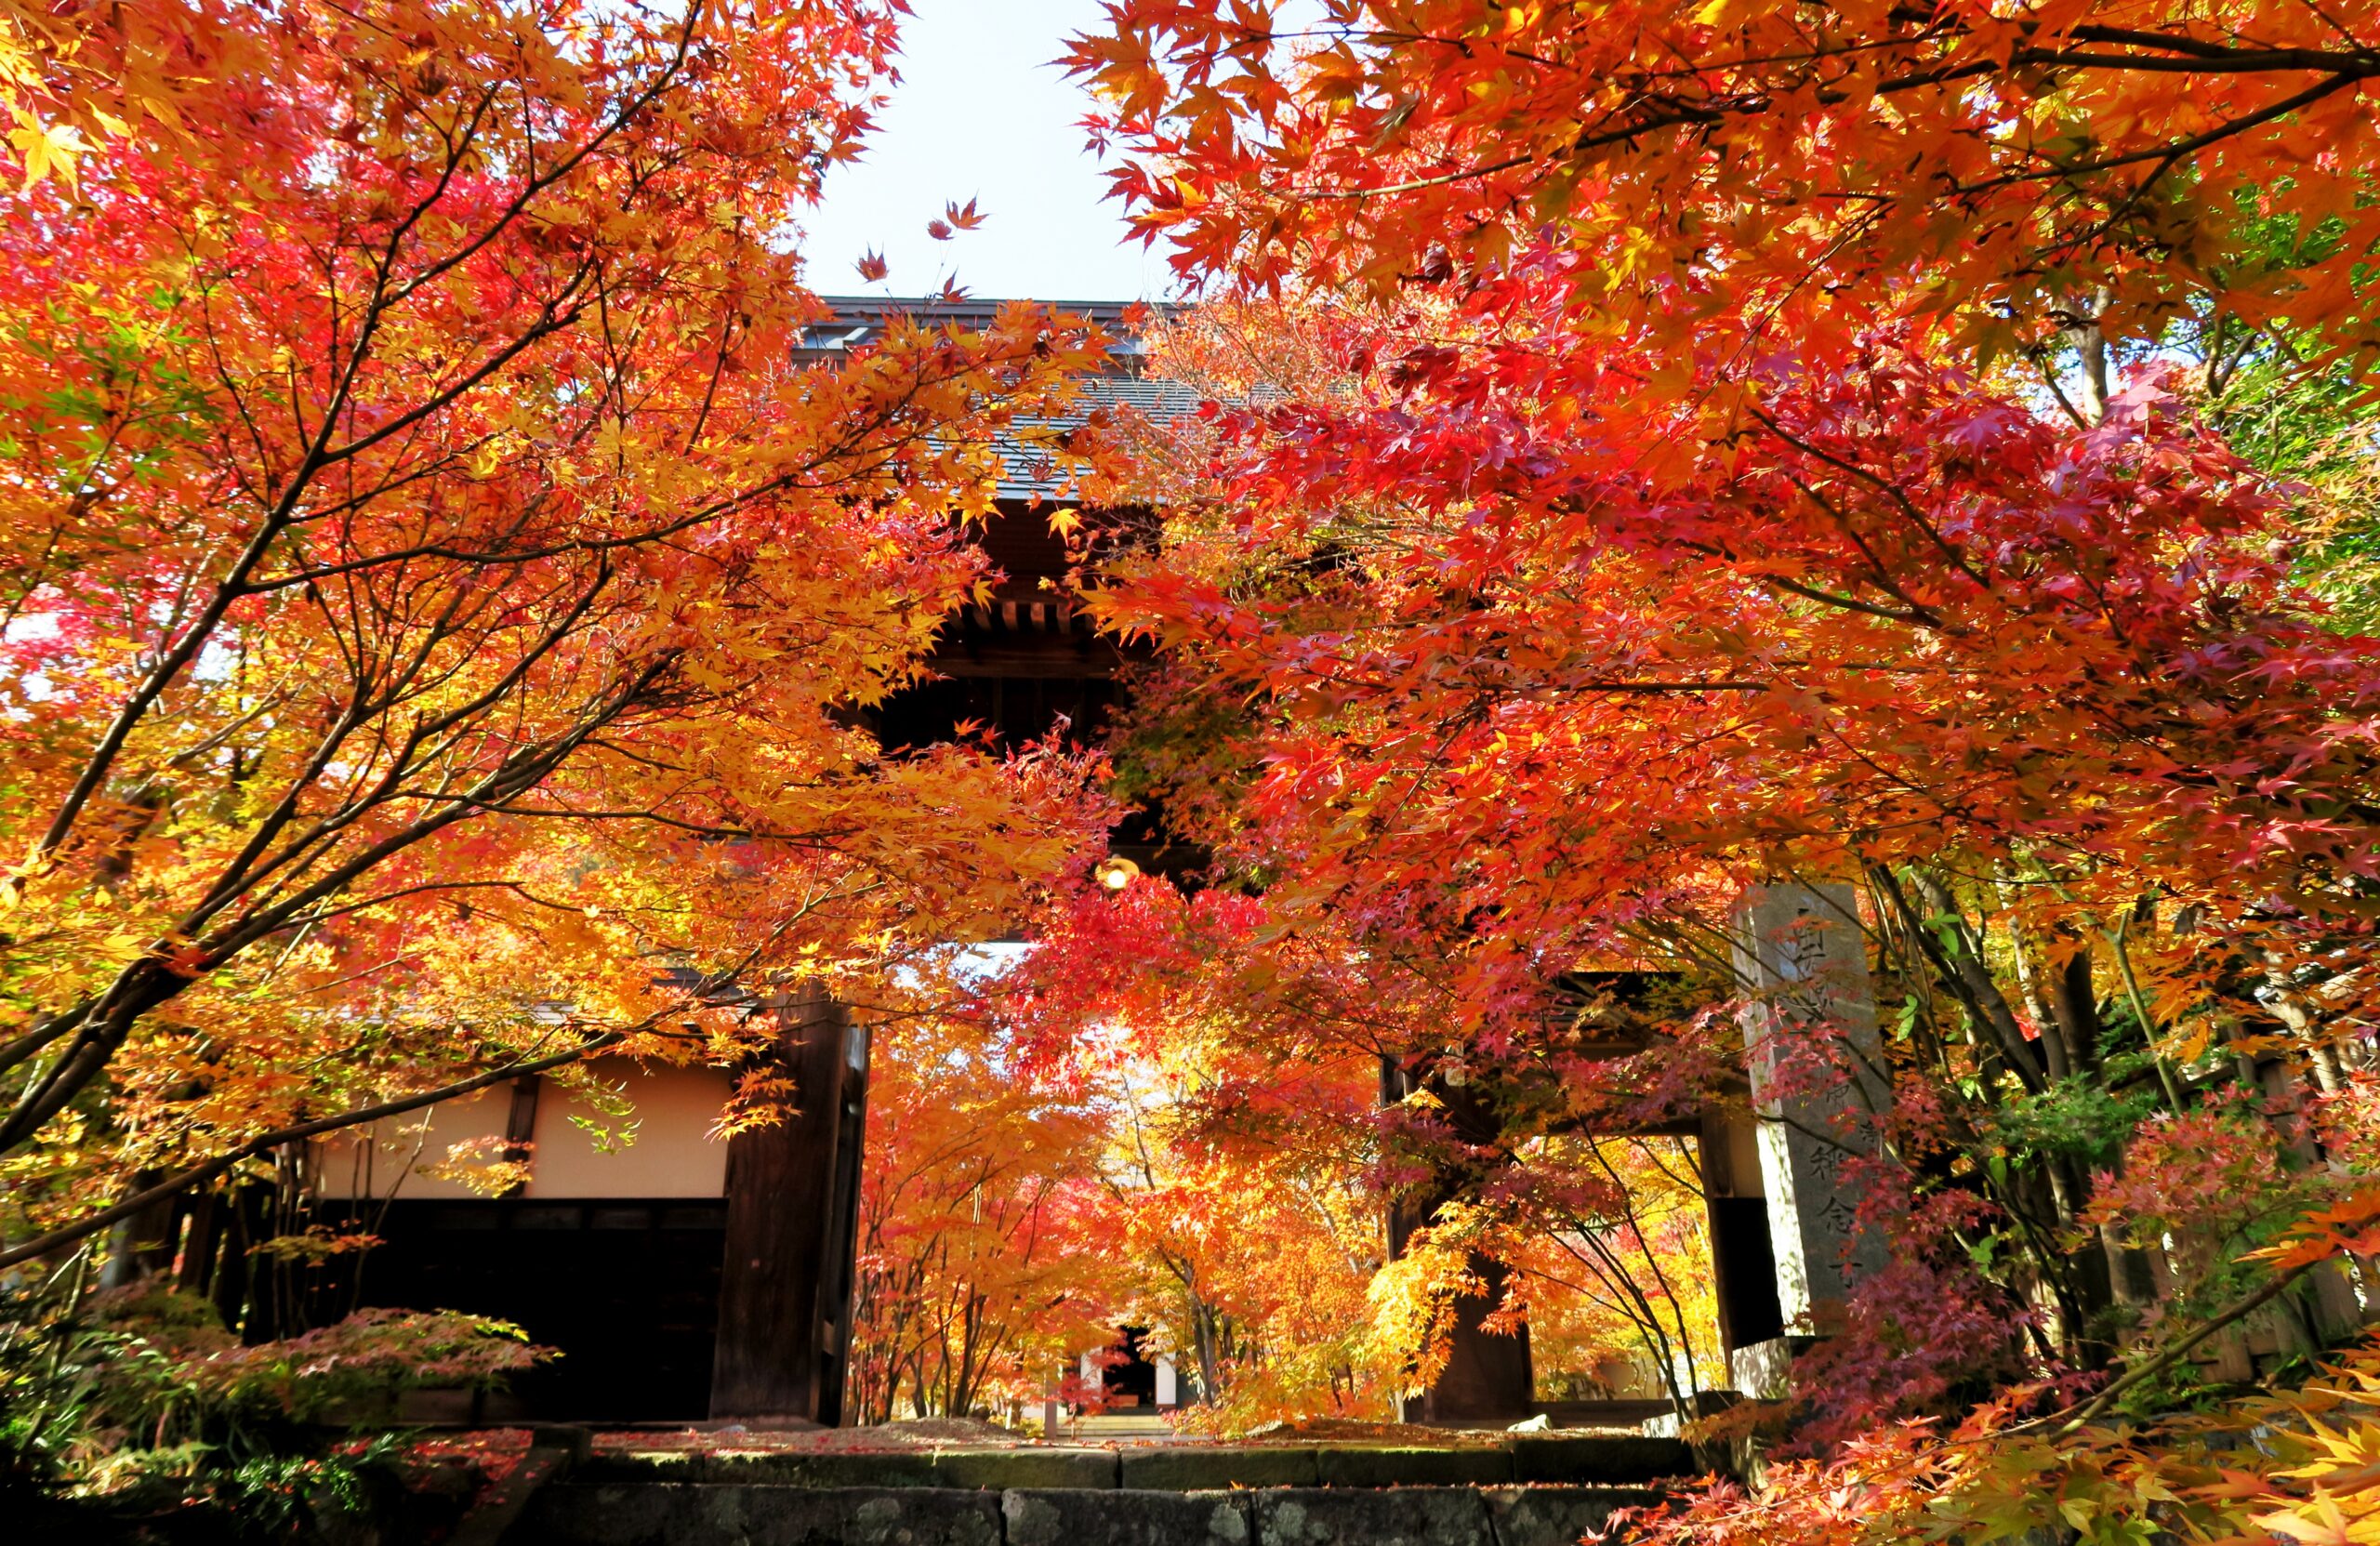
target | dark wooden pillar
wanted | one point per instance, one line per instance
(520, 1128)
(793, 1211)
(1489, 1377)
(198, 1247)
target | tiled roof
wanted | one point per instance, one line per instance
(856, 317)
(1030, 470)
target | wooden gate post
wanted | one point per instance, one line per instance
(1489, 1376)
(792, 1221)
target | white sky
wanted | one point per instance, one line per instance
(982, 113)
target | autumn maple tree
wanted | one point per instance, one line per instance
(438, 577)
(1655, 448)
(1056, 1151)
(1228, 1054)
(1235, 1171)
(981, 1271)
(1649, 449)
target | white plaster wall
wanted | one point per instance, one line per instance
(369, 1163)
(671, 1155)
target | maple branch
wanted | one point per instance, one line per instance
(2142, 38)
(153, 686)
(2344, 69)
(149, 981)
(1878, 572)
(1849, 604)
(254, 862)
(1890, 489)
(319, 453)
(440, 887)
(848, 447)
(46, 1030)
(1418, 184)
(537, 183)
(523, 770)
(227, 592)
(2173, 1353)
(2239, 62)
(2170, 155)
(1964, 976)
(1658, 688)
(550, 321)
(823, 839)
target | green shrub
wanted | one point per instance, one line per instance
(142, 1402)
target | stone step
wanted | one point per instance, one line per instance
(1595, 1459)
(651, 1513)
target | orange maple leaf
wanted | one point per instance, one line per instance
(2350, 1228)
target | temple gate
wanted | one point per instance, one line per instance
(686, 1283)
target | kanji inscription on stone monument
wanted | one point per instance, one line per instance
(1799, 950)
